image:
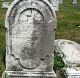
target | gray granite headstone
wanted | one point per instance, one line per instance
(69, 51)
(30, 39)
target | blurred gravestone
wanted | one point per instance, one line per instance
(70, 53)
(74, 1)
(5, 4)
(30, 39)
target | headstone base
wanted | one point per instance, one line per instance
(20, 74)
(72, 73)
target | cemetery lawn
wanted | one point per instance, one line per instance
(68, 19)
(68, 27)
(2, 37)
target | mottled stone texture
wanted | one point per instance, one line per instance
(30, 37)
(33, 77)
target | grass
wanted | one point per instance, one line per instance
(2, 38)
(68, 22)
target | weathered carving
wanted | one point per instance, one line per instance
(30, 38)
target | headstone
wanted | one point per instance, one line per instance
(74, 1)
(70, 53)
(30, 39)
(5, 4)
(69, 50)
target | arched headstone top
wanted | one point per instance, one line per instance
(23, 4)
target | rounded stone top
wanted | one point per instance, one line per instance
(15, 4)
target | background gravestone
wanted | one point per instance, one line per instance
(74, 1)
(5, 4)
(30, 39)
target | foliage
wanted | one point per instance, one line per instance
(2, 67)
(58, 62)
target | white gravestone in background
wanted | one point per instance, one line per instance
(30, 39)
(74, 1)
(5, 4)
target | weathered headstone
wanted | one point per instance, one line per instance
(74, 1)
(30, 39)
(5, 4)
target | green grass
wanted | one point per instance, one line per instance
(68, 19)
(58, 62)
(2, 37)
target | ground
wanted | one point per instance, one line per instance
(68, 26)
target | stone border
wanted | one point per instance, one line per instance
(16, 1)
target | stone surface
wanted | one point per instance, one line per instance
(30, 39)
(69, 50)
(72, 72)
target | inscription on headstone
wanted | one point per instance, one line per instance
(30, 39)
